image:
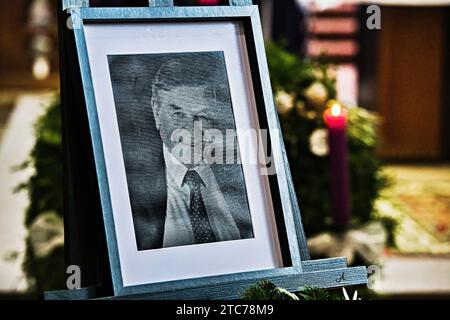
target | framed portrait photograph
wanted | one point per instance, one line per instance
(195, 187)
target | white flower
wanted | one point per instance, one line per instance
(318, 142)
(316, 94)
(284, 102)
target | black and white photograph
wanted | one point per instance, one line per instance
(166, 104)
(179, 127)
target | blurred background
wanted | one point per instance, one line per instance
(393, 81)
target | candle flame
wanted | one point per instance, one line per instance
(336, 110)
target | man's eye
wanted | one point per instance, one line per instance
(178, 114)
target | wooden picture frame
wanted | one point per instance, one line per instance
(298, 270)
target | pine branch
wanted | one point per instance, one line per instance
(266, 290)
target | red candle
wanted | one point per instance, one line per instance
(336, 120)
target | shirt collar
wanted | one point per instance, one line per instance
(176, 170)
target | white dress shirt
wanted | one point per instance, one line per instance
(178, 230)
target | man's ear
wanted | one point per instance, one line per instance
(156, 108)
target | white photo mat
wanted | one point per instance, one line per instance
(159, 265)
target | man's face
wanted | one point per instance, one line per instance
(180, 109)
